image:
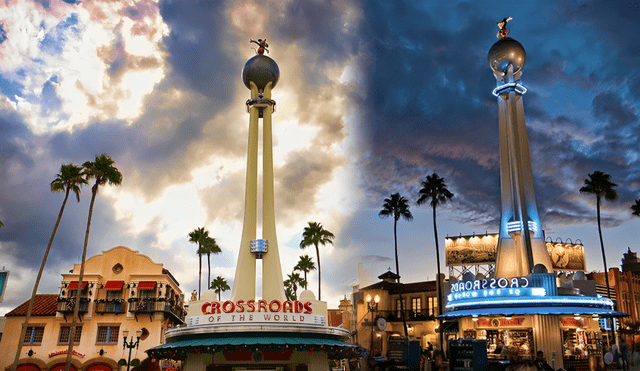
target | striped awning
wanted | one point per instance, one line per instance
(74, 285)
(147, 285)
(114, 285)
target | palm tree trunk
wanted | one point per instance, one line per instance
(398, 285)
(35, 287)
(199, 274)
(438, 288)
(305, 280)
(209, 272)
(319, 272)
(606, 271)
(72, 334)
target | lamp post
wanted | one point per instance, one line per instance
(373, 308)
(131, 344)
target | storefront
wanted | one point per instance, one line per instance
(522, 315)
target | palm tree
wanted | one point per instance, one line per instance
(291, 283)
(635, 207)
(103, 171)
(600, 185)
(305, 265)
(220, 285)
(199, 236)
(397, 206)
(210, 247)
(314, 234)
(1, 223)
(435, 191)
(70, 179)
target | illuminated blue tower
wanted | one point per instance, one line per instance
(521, 242)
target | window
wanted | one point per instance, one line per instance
(416, 305)
(433, 305)
(399, 307)
(114, 294)
(65, 332)
(108, 334)
(34, 335)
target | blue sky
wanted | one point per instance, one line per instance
(373, 96)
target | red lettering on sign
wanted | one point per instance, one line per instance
(307, 308)
(215, 308)
(240, 305)
(277, 303)
(298, 306)
(251, 306)
(205, 308)
(287, 306)
(228, 306)
(262, 305)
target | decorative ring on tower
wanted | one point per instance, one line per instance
(517, 86)
(261, 103)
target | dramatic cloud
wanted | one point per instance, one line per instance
(372, 97)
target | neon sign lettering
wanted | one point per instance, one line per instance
(493, 283)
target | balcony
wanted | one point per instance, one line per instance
(66, 306)
(154, 305)
(410, 315)
(110, 306)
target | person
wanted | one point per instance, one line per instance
(541, 363)
(499, 347)
(624, 350)
(438, 361)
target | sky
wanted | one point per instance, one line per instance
(373, 96)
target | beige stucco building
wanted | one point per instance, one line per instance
(123, 290)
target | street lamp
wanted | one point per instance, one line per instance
(373, 308)
(131, 344)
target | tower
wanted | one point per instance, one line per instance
(521, 242)
(260, 75)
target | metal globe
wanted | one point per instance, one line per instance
(539, 268)
(504, 52)
(260, 69)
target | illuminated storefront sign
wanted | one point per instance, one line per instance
(500, 322)
(493, 283)
(493, 293)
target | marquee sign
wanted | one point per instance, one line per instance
(493, 293)
(256, 311)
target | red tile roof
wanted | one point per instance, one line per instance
(44, 305)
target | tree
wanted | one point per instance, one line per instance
(210, 247)
(103, 172)
(635, 207)
(220, 285)
(291, 285)
(600, 185)
(314, 234)
(435, 191)
(70, 179)
(397, 207)
(305, 265)
(199, 236)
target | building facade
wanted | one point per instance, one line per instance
(378, 324)
(123, 291)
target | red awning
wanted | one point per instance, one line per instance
(74, 285)
(146, 285)
(114, 285)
